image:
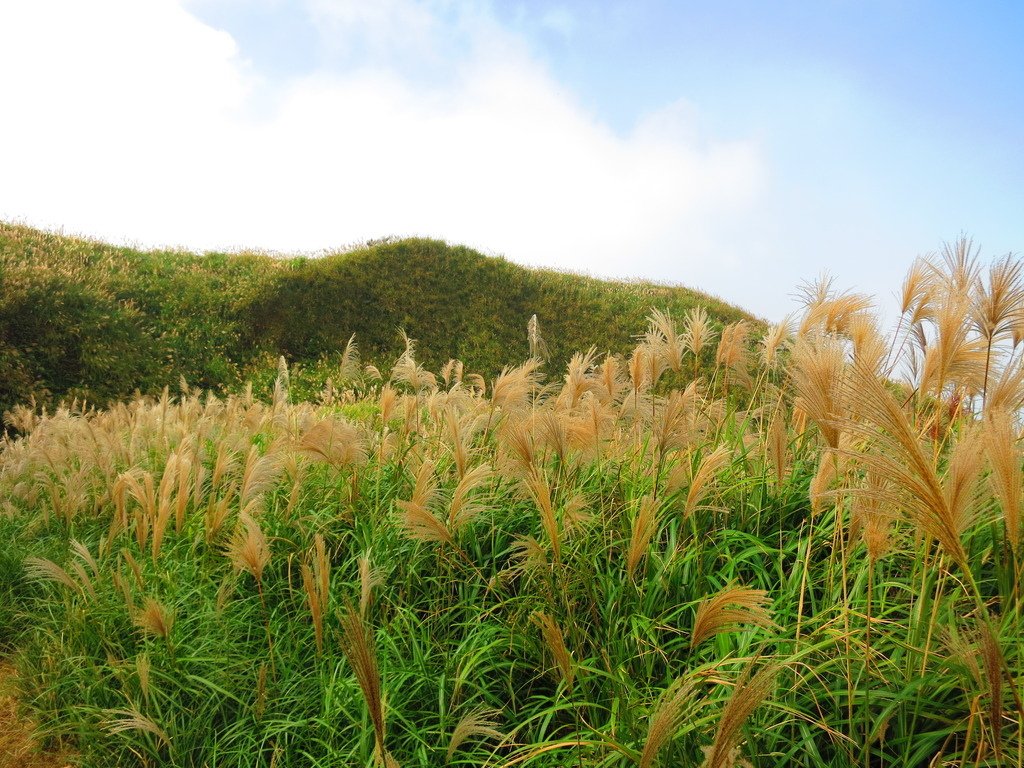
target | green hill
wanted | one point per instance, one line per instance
(82, 318)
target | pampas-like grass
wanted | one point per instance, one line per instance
(644, 526)
(667, 718)
(316, 582)
(664, 339)
(123, 720)
(248, 549)
(333, 441)
(910, 481)
(479, 723)
(700, 480)
(726, 610)
(539, 490)
(818, 370)
(578, 379)
(417, 520)
(358, 646)
(750, 691)
(1005, 457)
(154, 618)
(259, 474)
(698, 334)
(554, 640)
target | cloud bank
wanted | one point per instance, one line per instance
(138, 122)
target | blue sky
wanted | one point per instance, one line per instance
(737, 147)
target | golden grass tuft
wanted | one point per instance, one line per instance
(154, 618)
(358, 647)
(248, 549)
(666, 718)
(554, 640)
(1005, 457)
(727, 609)
(750, 691)
(333, 441)
(478, 723)
(644, 526)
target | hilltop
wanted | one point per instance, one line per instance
(84, 318)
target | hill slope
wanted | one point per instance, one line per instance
(79, 317)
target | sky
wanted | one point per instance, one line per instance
(740, 147)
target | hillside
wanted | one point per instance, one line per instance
(82, 318)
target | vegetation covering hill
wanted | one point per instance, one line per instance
(81, 318)
(809, 554)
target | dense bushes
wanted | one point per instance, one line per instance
(84, 319)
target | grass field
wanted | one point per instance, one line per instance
(799, 546)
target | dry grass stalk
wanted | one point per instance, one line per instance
(348, 368)
(666, 719)
(260, 473)
(732, 353)
(518, 447)
(407, 371)
(555, 642)
(610, 383)
(645, 367)
(478, 723)
(538, 347)
(417, 520)
(248, 549)
(528, 557)
(955, 358)
(552, 432)
(358, 647)
(871, 518)
(775, 340)
(645, 524)
(819, 489)
(993, 662)
(1007, 479)
(539, 490)
(333, 441)
(42, 569)
(1006, 390)
(155, 619)
(466, 503)
(369, 579)
(132, 720)
(460, 438)
(512, 389)
(316, 582)
(698, 333)
(869, 346)
(578, 379)
(138, 484)
(728, 608)
(663, 337)
(142, 669)
(910, 481)
(818, 371)
(749, 693)
(676, 426)
(700, 484)
(777, 447)
(590, 425)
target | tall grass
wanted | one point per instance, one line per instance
(808, 554)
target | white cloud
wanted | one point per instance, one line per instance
(129, 121)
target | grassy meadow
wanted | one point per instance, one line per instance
(725, 546)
